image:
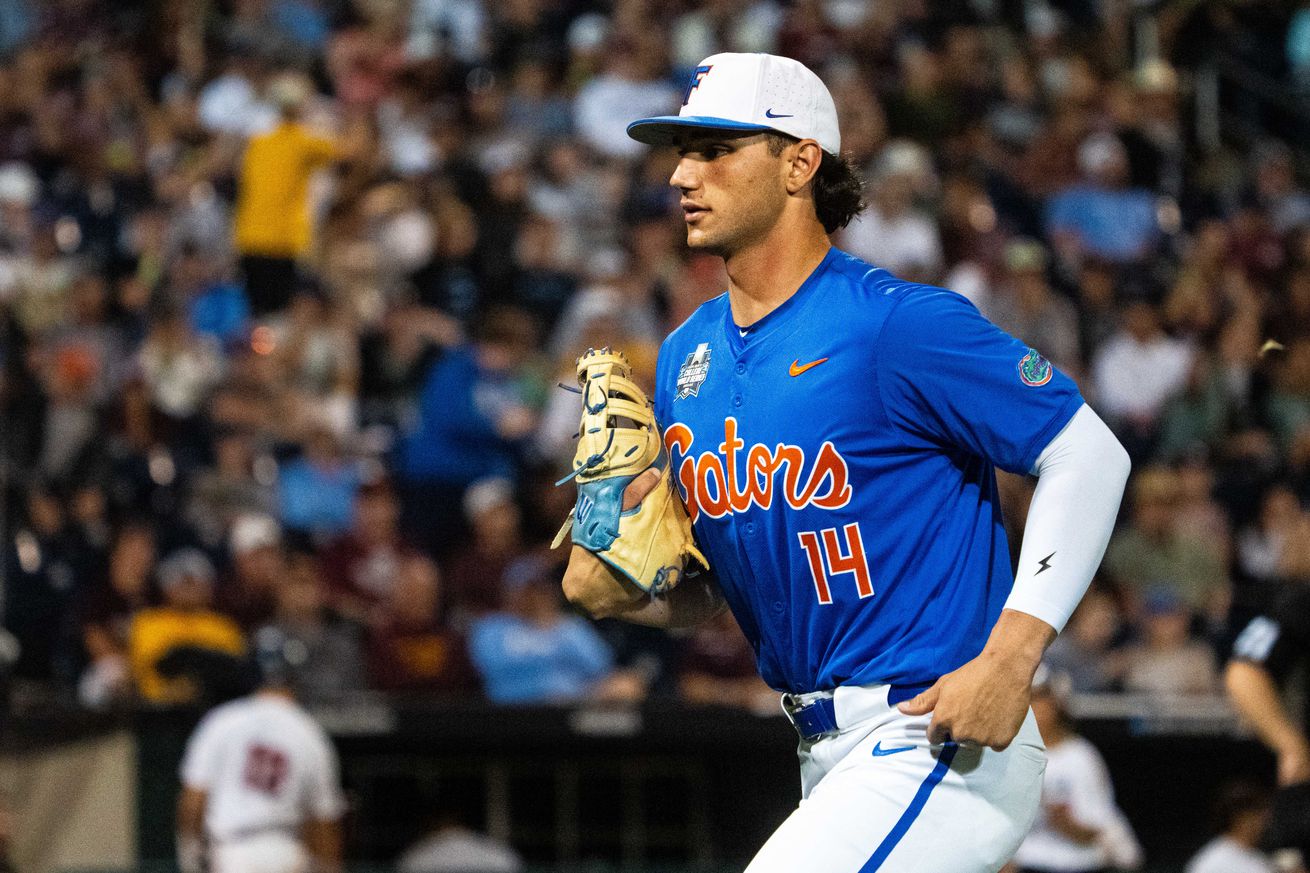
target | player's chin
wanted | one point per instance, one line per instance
(701, 240)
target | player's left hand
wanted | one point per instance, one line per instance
(985, 702)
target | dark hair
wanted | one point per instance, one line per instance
(1236, 799)
(838, 189)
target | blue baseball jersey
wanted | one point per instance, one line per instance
(838, 464)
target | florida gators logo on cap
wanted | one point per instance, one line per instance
(1035, 370)
(693, 82)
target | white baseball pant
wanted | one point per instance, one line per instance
(876, 796)
(269, 852)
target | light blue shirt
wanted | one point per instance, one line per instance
(526, 663)
(1117, 225)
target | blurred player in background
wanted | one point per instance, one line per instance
(1266, 654)
(1079, 828)
(1241, 817)
(260, 784)
(834, 432)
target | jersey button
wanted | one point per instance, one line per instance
(779, 607)
(741, 369)
(750, 527)
(736, 401)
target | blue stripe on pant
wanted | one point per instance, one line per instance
(912, 811)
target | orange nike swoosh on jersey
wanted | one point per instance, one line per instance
(797, 367)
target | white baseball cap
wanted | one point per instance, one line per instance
(734, 91)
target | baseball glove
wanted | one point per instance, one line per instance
(617, 442)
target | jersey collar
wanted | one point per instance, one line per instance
(764, 327)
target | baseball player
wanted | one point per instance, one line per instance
(1266, 654)
(260, 790)
(833, 431)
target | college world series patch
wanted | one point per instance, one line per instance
(692, 373)
(1035, 370)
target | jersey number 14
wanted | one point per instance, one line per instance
(828, 558)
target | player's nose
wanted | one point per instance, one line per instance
(684, 176)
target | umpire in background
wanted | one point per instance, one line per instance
(1265, 655)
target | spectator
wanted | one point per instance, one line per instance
(1241, 816)
(273, 224)
(472, 420)
(71, 418)
(1027, 308)
(43, 279)
(1086, 652)
(1274, 180)
(476, 572)
(1153, 550)
(220, 494)
(364, 57)
(217, 307)
(230, 103)
(1079, 827)
(1102, 216)
(41, 589)
(718, 669)
(409, 649)
(362, 564)
(535, 108)
(185, 618)
(612, 295)
(438, 27)
(1168, 662)
(106, 614)
(1288, 404)
(1137, 371)
(317, 356)
(1199, 516)
(1196, 418)
(703, 31)
(333, 657)
(534, 652)
(630, 84)
(1098, 319)
(178, 368)
(249, 593)
(316, 491)
(892, 233)
(544, 280)
(1266, 550)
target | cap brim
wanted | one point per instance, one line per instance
(663, 130)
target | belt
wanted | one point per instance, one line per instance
(251, 832)
(815, 716)
(813, 719)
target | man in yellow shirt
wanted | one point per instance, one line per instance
(274, 224)
(186, 618)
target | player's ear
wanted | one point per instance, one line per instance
(805, 159)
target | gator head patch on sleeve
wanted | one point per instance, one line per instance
(1035, 370)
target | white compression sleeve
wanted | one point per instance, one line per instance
(1081, 476)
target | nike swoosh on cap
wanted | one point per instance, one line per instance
(768, 113)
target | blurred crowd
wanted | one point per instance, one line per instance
(286, 287)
